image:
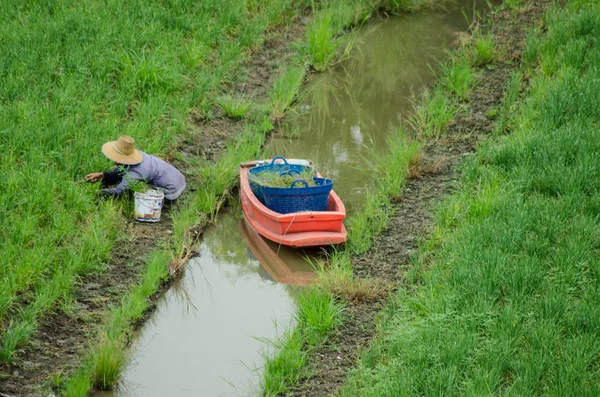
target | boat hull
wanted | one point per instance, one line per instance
(298, 229)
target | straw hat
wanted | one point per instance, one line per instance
(122, 151)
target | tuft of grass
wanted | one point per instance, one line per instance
(234, 107)
(284, 90)
(336, 275)
(147, 71)
(318, 312)
(403, 158)
(433, 113)
(458, 77)
(321, 45)
(285, 368)
(109, 358)
(509, 101)
(77, 385)
(485, 52)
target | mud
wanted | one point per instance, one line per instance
(63, 336)
(392, 251)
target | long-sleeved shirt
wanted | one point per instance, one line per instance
(152, 170)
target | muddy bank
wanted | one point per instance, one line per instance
(64, 335)
(390, 256)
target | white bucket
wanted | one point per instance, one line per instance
(148, 205)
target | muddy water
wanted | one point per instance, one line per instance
(346, 113)
(204, 337)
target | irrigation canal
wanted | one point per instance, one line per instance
(206, 336)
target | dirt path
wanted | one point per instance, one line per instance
(390, 256)
(62, 337)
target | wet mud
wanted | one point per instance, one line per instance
(391, 254)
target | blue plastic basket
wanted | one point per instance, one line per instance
(297, 199)
(280, 168)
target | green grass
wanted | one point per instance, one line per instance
(74, 76)
(506, 302)
(109, 358)
(284, 90)
(236, 108)
(458, 77)
(321, 45)
(485, 52)
(433, 113)
(336, 275)
(318, 312)
(286, 367)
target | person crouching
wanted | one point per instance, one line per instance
(132, 165)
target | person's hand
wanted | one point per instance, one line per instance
(94, 176)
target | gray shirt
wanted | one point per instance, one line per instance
(152, 170)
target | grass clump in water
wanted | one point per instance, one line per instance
(321, 45)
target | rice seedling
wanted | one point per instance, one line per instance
(235, 108)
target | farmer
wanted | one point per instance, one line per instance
(132, 165)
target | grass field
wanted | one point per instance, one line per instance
(73, 77)
(504, 300)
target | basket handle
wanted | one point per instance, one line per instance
(289, 172)
(279, 158)
(299, 180)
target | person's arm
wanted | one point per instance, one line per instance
(112, 177)
(122, 187)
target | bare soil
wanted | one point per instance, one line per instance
(391, 254)
(63, 336)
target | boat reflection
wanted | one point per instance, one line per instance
(282, 264)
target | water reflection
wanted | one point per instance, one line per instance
(350, 108)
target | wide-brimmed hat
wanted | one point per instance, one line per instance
(122, 151)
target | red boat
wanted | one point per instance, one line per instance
(298, 229)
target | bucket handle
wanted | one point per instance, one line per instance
(279, 158)
(299, 181)
(289, 172)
